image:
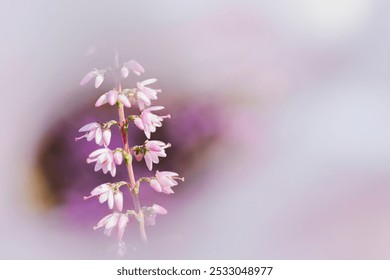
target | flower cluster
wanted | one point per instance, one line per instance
(107, 159)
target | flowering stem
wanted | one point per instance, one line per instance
(133, 189)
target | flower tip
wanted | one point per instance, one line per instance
(86, 78)
(159, 209)
(124, 72)
(99, 80)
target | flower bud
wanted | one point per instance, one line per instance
(118, 157)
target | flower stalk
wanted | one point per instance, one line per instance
(107, 159)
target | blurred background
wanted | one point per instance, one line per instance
(280, 117)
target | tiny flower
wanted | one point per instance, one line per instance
(95, 130)
(146, 94)
(97, 74)
(150, 213)
(164, 181)
(149, 121)
(105, 192)
(154, 149)
(133, 66)
(112, 97)
(115, 220)
(105, 160)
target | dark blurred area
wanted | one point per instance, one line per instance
(193, 130)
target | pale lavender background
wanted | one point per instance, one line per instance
(303, 169)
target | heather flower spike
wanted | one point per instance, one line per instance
(108, 159)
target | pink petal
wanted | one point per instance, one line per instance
(103, 221)
(103, 197)
(135, 67)
(146, 117)
(112, 97)
(123, 220)
(98, 136)
(154, 157)
(167, 181)
(102, 100)
(118, 201)
(98, 152)
(147, 132)
(159, 209)
(99, 189)
(103, 158)
(141, 104)
(99, 80)
(138, 122)
(155, 185)
(125, 101)
(157, 143)
(143, 97)
(106, 137)
(89, 127)
(105, 168)
(110, 200)
(98, 166)
(167, 190)
(86, 78)
(151, 93)
(153, 147)
(161, 153)
(113, 171)
(148, 82)
(148, 161)
(154, 108)
(108, 231)
(124, 72)
(118, 157)
(112, 221)
(91, 135)
(166, 173)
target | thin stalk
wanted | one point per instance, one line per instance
(133, 191)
